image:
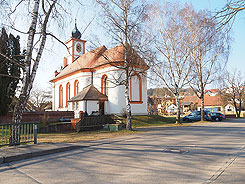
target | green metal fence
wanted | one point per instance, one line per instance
(15, 134)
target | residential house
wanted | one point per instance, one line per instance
(212, 103)
(211, 92)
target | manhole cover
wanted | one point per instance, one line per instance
(174, 150)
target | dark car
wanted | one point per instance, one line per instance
(196, 116)
(217, 116)
(65, 119)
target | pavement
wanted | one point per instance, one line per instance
(21, 152)
(202, 153)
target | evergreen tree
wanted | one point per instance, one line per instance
(9, 72)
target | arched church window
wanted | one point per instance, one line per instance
(60, 96)
(104, 84)
(135, 88)
(68, 93)
(76, 87)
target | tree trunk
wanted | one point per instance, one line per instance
(223, 109)
(29, 74)
(127, 74)
(202, 97)
(202, 107)
(235, 106)
(178, 109)
(128, 105)
(25, 92)
(240, 108)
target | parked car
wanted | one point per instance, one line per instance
(65, 119)
(217, 116)
(196, 116)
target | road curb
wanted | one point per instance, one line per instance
(8, 159)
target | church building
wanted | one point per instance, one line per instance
(90, 81)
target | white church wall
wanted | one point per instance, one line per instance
(84, 80)
(141, 109)
(116, 98)
(135, 88)
(116, 94)
(144, 93)
(92, 106)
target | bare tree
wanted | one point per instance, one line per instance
(209, 50)
(122, 21)
(40, 98)
(172, 64)
(226, 16)
(39, 13)
(233, 91)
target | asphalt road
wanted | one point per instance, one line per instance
(202, 153)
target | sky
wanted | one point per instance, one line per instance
(54, 53)
(236, 58)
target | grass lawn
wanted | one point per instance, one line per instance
(81, 136)
(156, 120)
(152, 120)
(137, 121)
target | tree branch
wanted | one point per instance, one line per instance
(12, 61)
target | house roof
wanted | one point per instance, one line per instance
(90, 93)
(193, 99)
(101, 57)
(208, 100)
(211, 100)
(212, 90)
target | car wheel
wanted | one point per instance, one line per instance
(217, 119)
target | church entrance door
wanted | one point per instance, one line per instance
(102, 108)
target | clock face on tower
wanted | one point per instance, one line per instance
(78, 47)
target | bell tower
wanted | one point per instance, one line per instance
(76, 46)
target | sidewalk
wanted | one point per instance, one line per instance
(16, 153)
(21, 152)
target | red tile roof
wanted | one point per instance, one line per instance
(193, 99)
(208, 100)
(100, 58)
(212, 90)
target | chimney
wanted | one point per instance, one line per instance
(65, 62)
(56, 73)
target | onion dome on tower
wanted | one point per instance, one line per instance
(75, 32)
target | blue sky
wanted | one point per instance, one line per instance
(236, 59)
(53, 57)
